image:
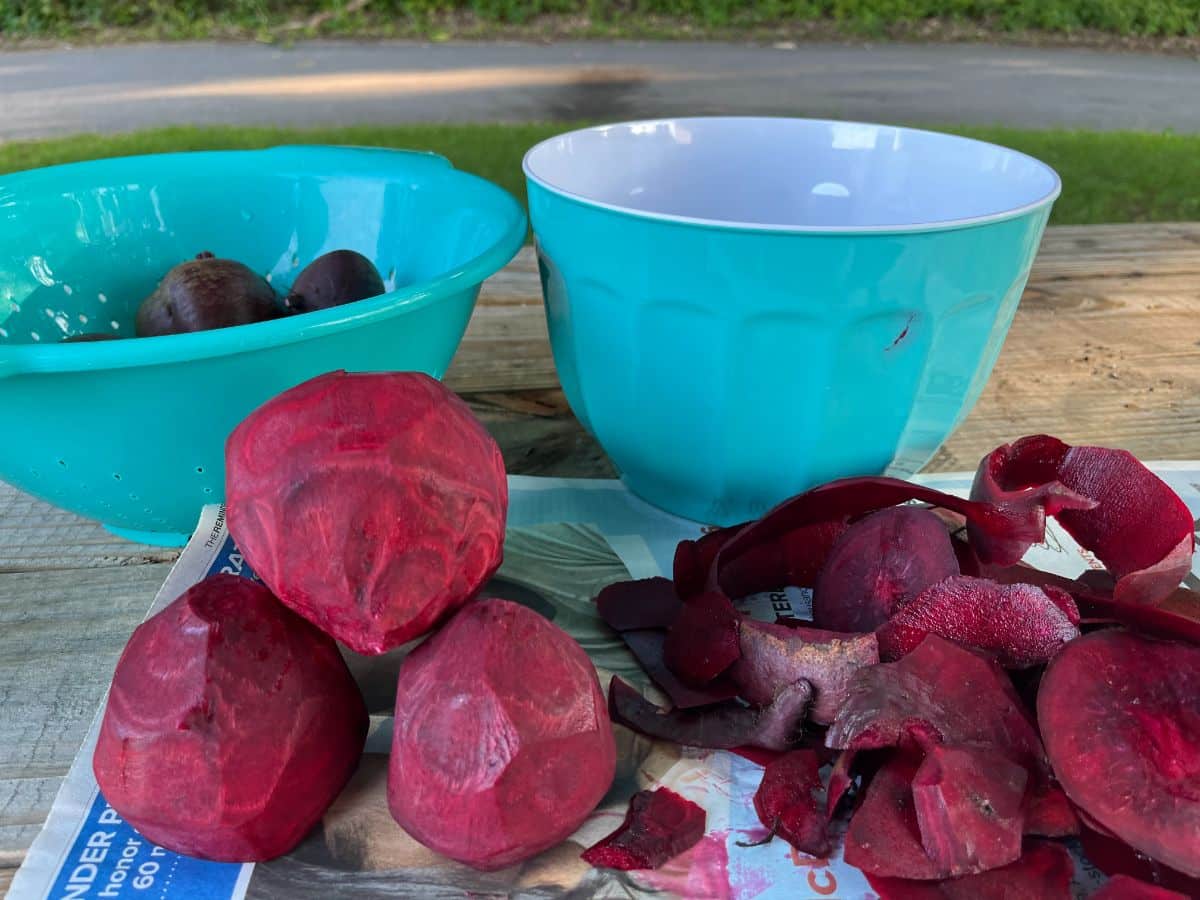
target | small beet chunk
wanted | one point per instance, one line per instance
(1043, 872)
(953, 693)
(342, 276)
(373, 504)
(647, 645)
(773, 655)
(878, 565)
(969, 808)
(703, 640)
(633, 605)
(1122, 887)
(1019, 623)
(231, 725)
(206, 293)
(502, 744)
(723, 726)
(1120, 715)
(659, 826)
(884, 837)
(787, 802)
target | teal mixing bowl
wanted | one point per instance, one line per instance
(742, 308)
(132, 432)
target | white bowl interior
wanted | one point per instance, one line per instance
(791, 174)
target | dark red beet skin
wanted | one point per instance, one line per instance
(231, 725)
(373, 504)
(1120, 715)
(879, 564)
(502, 743)
(659, 826)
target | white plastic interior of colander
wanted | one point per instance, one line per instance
(792, 174)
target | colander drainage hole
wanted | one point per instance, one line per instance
(116, 476)
(208, 490)
(63, 463)
(199, 470)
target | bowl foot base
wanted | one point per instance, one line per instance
(155, 538)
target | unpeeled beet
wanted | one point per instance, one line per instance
(373, 504)
(232, 723)
(502, 744)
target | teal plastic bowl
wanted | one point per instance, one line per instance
(132, 432)
(743, 308)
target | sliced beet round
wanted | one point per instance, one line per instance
(1120, 715)
(879, 564)
(774, 655)
(1135, 524)
(1021, 624)
(969, 808)
(787, 802)
(1043, 872)
(659, 826)
(943, 691)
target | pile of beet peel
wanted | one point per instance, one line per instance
(974, 708)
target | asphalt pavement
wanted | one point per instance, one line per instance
(120, 88)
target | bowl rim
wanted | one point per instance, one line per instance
(130, 352)
(763, 227)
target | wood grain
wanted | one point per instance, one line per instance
(1105, 348)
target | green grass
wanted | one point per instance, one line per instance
(1107, 176)
(433, 18)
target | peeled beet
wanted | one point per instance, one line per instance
(969, 808)
(773, 655)
(1122, 887)
(1135, 524)
(787, 802)
(206, 293)
(373, 504)
(1043, 872)
(231, 725)
(342, 276)
(1021, 624)
(878, 565)
(659, 826)
(948, 692)
(1120, 715)
(702, 642)
(502, 744)
(723, 726)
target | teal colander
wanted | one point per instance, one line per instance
(132, 432)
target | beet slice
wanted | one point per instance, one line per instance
(884, 837)
(501, 745)
(787, 802)
(1043, 872)
(773, 655)
(1048, 812)
(879, 564)
(969, 808)
(703, 640)
(1019, 623)
(832, 503)
(724, 726)
(633, 605)
(841, 779)
(1137, 526)
(1120, 714)
(659, 825)
(647, 645)
(373, 504)
(231, 725)
(1122, 887)
(947, 691)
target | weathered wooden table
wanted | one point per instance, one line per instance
(1105, 349)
